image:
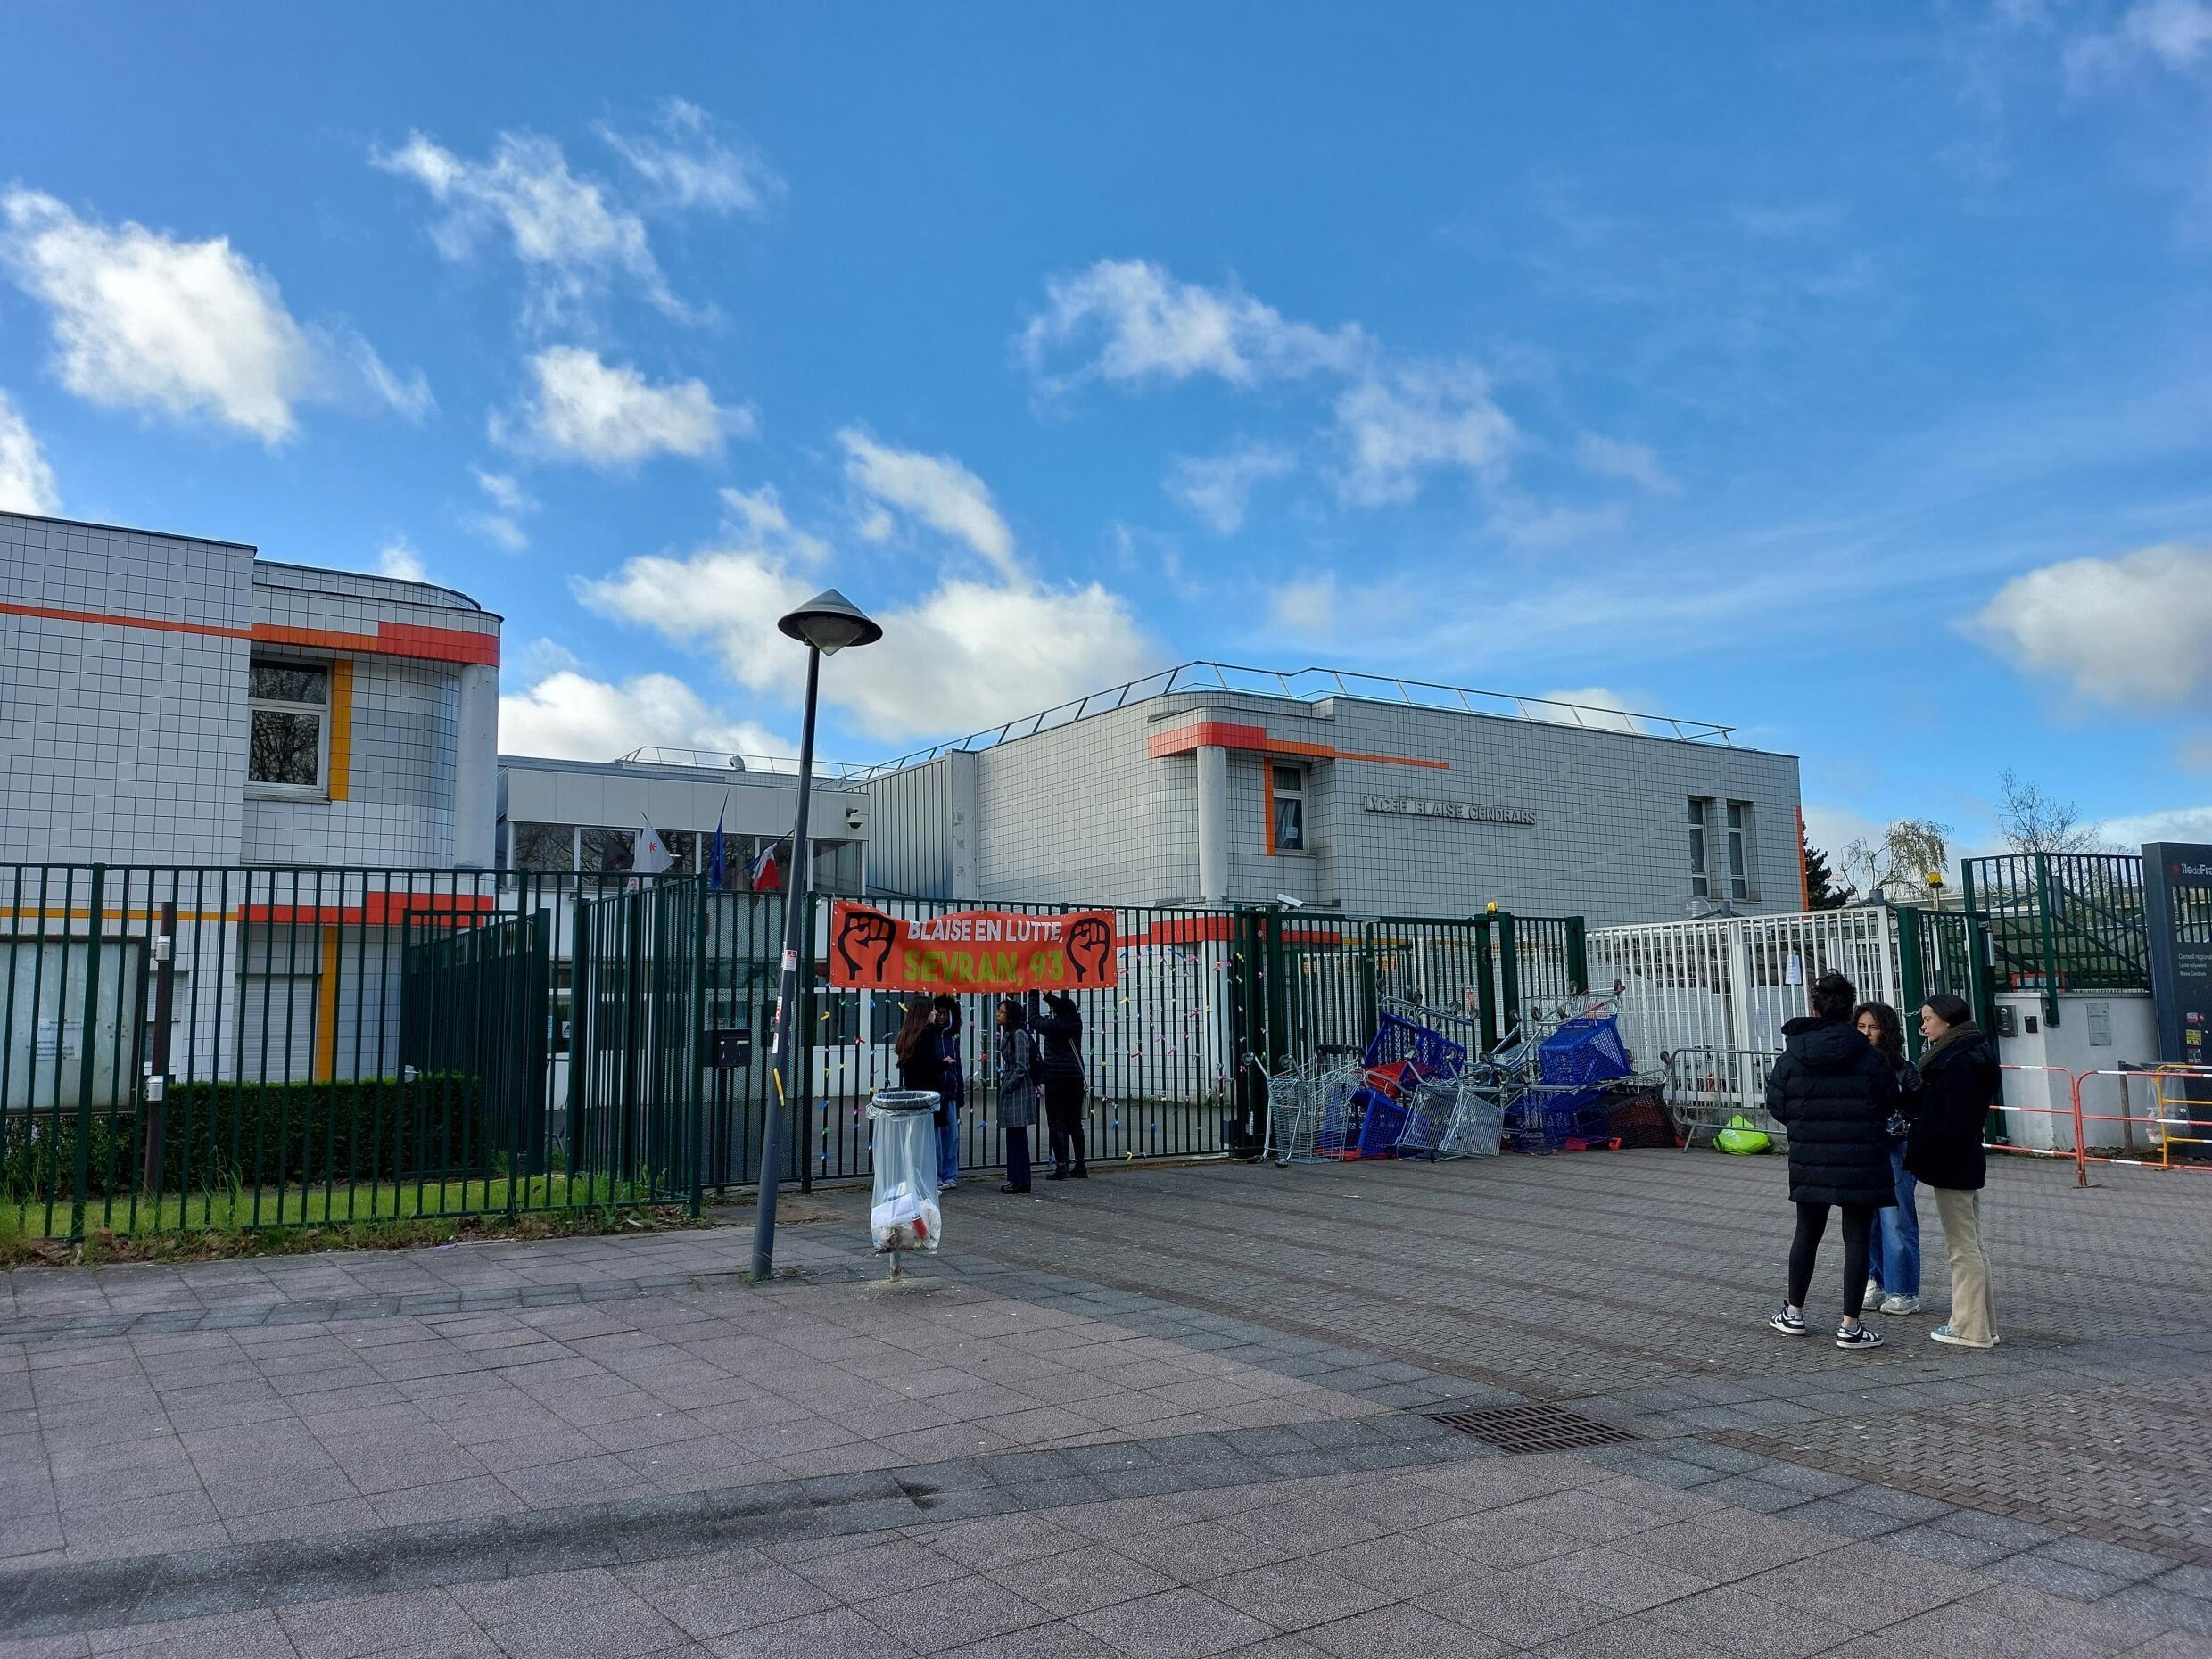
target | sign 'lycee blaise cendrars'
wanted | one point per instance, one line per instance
(1470, 812)
(971, 949)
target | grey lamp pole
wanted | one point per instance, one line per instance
(825, 625)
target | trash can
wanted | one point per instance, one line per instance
(903, 1126)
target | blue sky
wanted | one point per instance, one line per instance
(1843, 377)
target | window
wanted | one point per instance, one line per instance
(1289, 785)
(288, 725)
(606, 851)
(1700, 878)
(543, 847)
(1738, 849)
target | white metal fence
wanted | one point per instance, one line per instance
(1716, 992)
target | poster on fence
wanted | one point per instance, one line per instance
(971, 949)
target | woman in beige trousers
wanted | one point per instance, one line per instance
(1944, 1151)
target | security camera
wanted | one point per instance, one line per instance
(1285, 899)
(853, 818)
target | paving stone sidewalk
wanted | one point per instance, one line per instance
(1188, 1411)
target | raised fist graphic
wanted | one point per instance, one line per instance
(1088, 939)
(864, 941)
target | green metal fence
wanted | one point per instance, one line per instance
(2063, 921)
(187, 1048)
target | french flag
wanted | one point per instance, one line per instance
(763, 873)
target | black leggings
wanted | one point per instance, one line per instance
(1063, 1117)
(1812, 1223)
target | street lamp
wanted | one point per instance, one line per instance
(825, 625)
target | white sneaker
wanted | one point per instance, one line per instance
(1873, 1292)
(1899, 1305)
(1942, 1333)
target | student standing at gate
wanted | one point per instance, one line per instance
(920, 1060)
(1958, 1086)
(951, 1087)
(1833, 1093)
(1893, 1252)
(1060, 1032)
(1016, 1091)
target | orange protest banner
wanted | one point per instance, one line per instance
(978, 951)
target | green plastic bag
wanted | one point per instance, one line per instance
(1741, 1136)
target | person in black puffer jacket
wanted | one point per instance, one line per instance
(1958, 1086)
(1833, 1093)
(1060, 1035)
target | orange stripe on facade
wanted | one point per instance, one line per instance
(437, 645)
(378, 911)
(1231, 734)
(342, 729)
(326, 1010)
(162, 624)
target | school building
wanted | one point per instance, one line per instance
(1366, 795)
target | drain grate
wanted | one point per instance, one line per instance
(1533, 1428)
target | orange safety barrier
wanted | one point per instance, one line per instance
(2169, 1121)
(2071, 1111)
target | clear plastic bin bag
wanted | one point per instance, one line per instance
(905, 1215)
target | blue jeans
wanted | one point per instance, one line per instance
(1893, 1262)
(948, 1141)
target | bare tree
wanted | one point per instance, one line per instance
(1909, 852)
(2032, 822)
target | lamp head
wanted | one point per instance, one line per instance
(829, 622)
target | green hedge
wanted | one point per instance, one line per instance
(265, 1134)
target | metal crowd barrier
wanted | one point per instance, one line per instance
(2174, 1089)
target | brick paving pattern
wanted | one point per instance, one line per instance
(1164, 1412)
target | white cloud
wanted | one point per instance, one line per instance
(968, 654)
(572, 242)
(936, 489)
(1832, 827)
(399, 560)
(407, 395)
(568, 715)
(510, 501)
(499, 528)
(1220, 488)
(1142, 325)
(26, 480)
(2175, 823)
(758, 515)
(1307, 606)
(506, 493)
(686, 166)
(1396, 425)
(2128, 631)
(584, 409)
(1596, 708)
(1633, 463)
(2176, 32)
(147, 321)
(1532, 527)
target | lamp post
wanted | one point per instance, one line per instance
(825, 625)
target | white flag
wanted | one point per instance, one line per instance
(651, 856)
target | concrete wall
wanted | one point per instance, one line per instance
(2096, 1032)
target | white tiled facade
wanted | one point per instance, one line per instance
(125, 660)
(1107, 810)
